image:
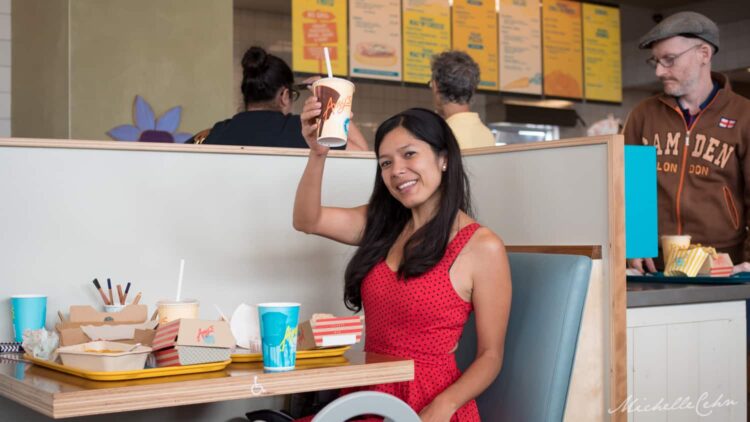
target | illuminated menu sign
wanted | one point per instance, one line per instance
(317, 24)
(475, 33)
(601, 42)
(375, 39)
(426, 32)
(520, 46)
(563, 58)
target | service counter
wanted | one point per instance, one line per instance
(687, 351)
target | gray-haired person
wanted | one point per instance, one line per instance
(455, 77)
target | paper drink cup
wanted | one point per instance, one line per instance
(278, 334)
(170, 310)
(668, 242)
(335, 96)
(28, 312)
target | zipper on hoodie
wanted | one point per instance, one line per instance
(684, 157)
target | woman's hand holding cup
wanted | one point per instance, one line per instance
(310, 120)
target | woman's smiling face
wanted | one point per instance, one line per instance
(410, 169)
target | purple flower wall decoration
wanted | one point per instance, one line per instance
(150, 129)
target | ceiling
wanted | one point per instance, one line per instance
(732, 6)
(654, 4)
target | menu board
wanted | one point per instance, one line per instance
(601, 42)
(475, 33)
(317, 24)
(426, 29)
(520, 46)
(375, 39)
(563, 58)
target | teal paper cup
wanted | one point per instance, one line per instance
(278, 335)
(28, 312)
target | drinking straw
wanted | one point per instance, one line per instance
(179, 280)
(328, 62)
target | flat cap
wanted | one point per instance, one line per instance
(688, 24)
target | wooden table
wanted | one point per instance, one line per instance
(59, 395)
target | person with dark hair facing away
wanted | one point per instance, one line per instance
(455, 76)
(268, 91)
(423, 264)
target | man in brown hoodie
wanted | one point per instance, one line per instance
(701, 131)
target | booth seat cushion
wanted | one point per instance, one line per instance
(549, 292)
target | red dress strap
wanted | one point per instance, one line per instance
(458, 242)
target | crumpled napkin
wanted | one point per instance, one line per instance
(41, 343)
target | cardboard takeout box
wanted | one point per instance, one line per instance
(192, 341)
(718, 265)
(71, 333)
(329, 331)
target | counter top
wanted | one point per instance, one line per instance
(659, 294)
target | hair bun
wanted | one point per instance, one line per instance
(255, 61)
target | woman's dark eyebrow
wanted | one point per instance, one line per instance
(398, 149)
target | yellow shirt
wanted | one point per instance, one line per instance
(470, 131)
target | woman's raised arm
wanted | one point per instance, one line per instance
(344, 225)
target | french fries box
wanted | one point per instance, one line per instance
(329, 331)
(71, 333)
(719, 265)
(192, 341)
(686, 261)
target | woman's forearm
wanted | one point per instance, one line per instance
(307, 206)
(477, 377)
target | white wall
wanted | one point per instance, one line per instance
(5, 35)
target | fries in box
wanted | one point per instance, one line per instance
(686, 261)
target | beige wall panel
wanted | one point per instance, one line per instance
(171, 52)
(39, 81)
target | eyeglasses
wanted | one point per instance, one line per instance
(293, 93)
(668, 61)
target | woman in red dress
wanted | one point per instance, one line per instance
(422, 264)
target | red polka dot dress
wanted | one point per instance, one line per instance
(421, 319)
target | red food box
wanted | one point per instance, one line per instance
(192, 341)
(720, 266)
(329, 331)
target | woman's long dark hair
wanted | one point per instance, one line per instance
(387, 217)
(262, 76)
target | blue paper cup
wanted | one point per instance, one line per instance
(278, 334)
(28, 312)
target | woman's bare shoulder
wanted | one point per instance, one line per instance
(486, 243)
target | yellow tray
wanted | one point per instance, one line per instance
(301, 354)
(131, 375)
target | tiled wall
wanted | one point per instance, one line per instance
(5, 68)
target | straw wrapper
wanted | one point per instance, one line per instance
(687, 261)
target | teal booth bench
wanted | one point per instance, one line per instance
(549, 292)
